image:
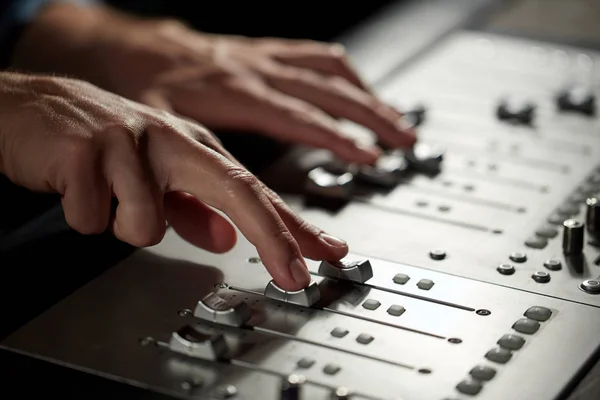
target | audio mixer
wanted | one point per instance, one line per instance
(474, 270)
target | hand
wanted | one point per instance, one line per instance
(291, 90)
(89, 145)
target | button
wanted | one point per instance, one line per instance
(541, 277)
(331, 369)
(553, 265)
(401, 279)
(425, 284)
(483, 373)
(363, 338)
(518, 257)
(506, 269)
(194, 343)
(515, 111)
(547, 231)
(291, 387)
(371, 304)
(340, 393)
(305, 297)
(577, 99)
(339, 332)
(437, 254)
(573, 237)
(556, 219)
(536, 242)
(321, 182)
(214, 308)
(500, 356)
(355, 271)
(527, 326)
(396, 310)
(538, 313)
(511, 342)
(305, 363)
(591, 286)
(469, 387)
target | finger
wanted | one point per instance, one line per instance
(233, 190)
(339, 98)
(314, 242)
(139, 218)
(294, 120)
(86, 197)
(328, 59)
(197, 223)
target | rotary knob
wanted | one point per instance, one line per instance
(305, 297)
(194, 343)
(355, 271)
(573, 237)
(216, 309)
(592, 216)
(291, 387)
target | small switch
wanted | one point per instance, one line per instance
(425, 284)
(363, 338)
(339, 332)
(401, 279)
(511, 342)
(500, 356)
(396, 310)
(527, 326)
(371, 304)
(483, 373)
(305, 363)
(331, 369)
(538, 313)
(470, 387)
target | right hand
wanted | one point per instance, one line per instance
(70, 137)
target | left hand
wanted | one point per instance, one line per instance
(291, 90)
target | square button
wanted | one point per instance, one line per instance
(525, 325)
(364, 338)
(339, 332)
(469, 387)
(511, 342)
(305, 363)
(425, 284)
(331, 369)
(396, 310)
(371, 304)
(538, 313)
(401, 279)
(500, 356)
(483, 373)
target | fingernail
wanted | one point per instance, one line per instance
(332, 240)
(372, 151)
(404, 125)
(299, 272)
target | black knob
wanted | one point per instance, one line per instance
(340, 394)
(592, 216)
(573, 237)
(291, 387)
(520, 113)
(577, 99)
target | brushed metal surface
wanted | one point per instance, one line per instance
(499, 183)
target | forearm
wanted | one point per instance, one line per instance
(66, 38)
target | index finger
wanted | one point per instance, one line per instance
(214, 179)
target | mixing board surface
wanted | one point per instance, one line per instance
(475, 265)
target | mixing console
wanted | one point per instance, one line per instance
(475, 264)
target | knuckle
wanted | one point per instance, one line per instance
(242, 178)
(338, 52)
(80, 152)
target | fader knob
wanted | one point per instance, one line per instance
(340, 394)
(577, 99)
(194, 343)
(291, 387)
(592, 216)
(425, 158)
(321, 182)
(213, 308)
(356, 271)
(573, 237)
(305, 297)
(515, 112)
